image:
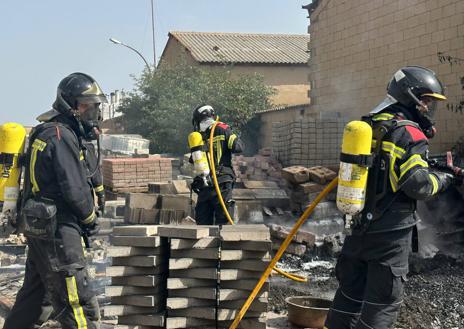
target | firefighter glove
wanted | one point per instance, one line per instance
(445, 180)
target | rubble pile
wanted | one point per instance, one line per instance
(261, 167)
(134, 174)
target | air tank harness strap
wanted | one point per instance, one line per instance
(363, 160)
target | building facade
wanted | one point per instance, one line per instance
(357, 45)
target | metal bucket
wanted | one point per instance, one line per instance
(307, 311)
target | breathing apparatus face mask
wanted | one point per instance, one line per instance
(206, 123)
(426, 110)
(90, 120)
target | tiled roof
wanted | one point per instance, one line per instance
(215, 47)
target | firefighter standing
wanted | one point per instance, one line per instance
(374, 260)
(208, 210)
(58, 209)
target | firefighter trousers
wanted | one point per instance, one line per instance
(57, 267)
(208, 210)
(371, 270)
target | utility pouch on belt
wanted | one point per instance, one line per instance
(38, 218)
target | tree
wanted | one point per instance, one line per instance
(160, 108)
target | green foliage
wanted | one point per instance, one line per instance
(160, 108)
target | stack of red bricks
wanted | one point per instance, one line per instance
(133, 174)
(306, 183)
(261, 167)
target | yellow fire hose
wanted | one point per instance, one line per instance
(221, 200)
(280, 252)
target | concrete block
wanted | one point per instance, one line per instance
(149, 216)
(249, 265)
(139, 280)
(211, 273)
(321, 175)
(201, 293)
(250, 184)
(183, 283)
(123, 326)
(244, 232)
(135, 230)
(112, 271)
(138, 300)
(185, 322)
(160, 188)
(263, 245)
(155, 320)
(184, 232)
(260, 304)
(117, 310)
(174, 303)
(185, 263)
(244, 285)
(211, 313)
(136, 241)
(310, 187)
(124, 251)
(142, 200)
(293, 248)
(295, 174)
(143, 261)
(114, 291)
(180, 186)
(242, 194)
(177, 244)
(175, 202)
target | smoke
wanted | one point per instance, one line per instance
(443, 222)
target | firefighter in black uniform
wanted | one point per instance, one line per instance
(57, 210)
(208, 210)
(374, 260)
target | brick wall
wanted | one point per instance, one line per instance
(308, 142)
(357, 45)
(134, 174)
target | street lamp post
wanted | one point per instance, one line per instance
(117, 42)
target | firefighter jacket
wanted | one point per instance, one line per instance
(224, 144)
(404, 174)
(57, 171)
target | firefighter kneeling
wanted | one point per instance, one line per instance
(374, 260)
(208, 210)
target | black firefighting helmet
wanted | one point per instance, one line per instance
(79, 88)
(411, 84)
(201, 113)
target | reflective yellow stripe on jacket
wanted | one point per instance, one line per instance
(413, 161)
(37, 145)
(395, 152)
(73, 299)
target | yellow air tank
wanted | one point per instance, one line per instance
(352, 177)
(200, 162)
(12, 139)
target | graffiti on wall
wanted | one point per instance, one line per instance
(448, 59)
(443, 58)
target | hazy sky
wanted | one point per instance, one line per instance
(43, 41)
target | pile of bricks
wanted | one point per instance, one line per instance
(122, 175)
(211, 273)
(308, 142)
(261, 167)
(302, 241)
(138, 277)
(306, 183)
